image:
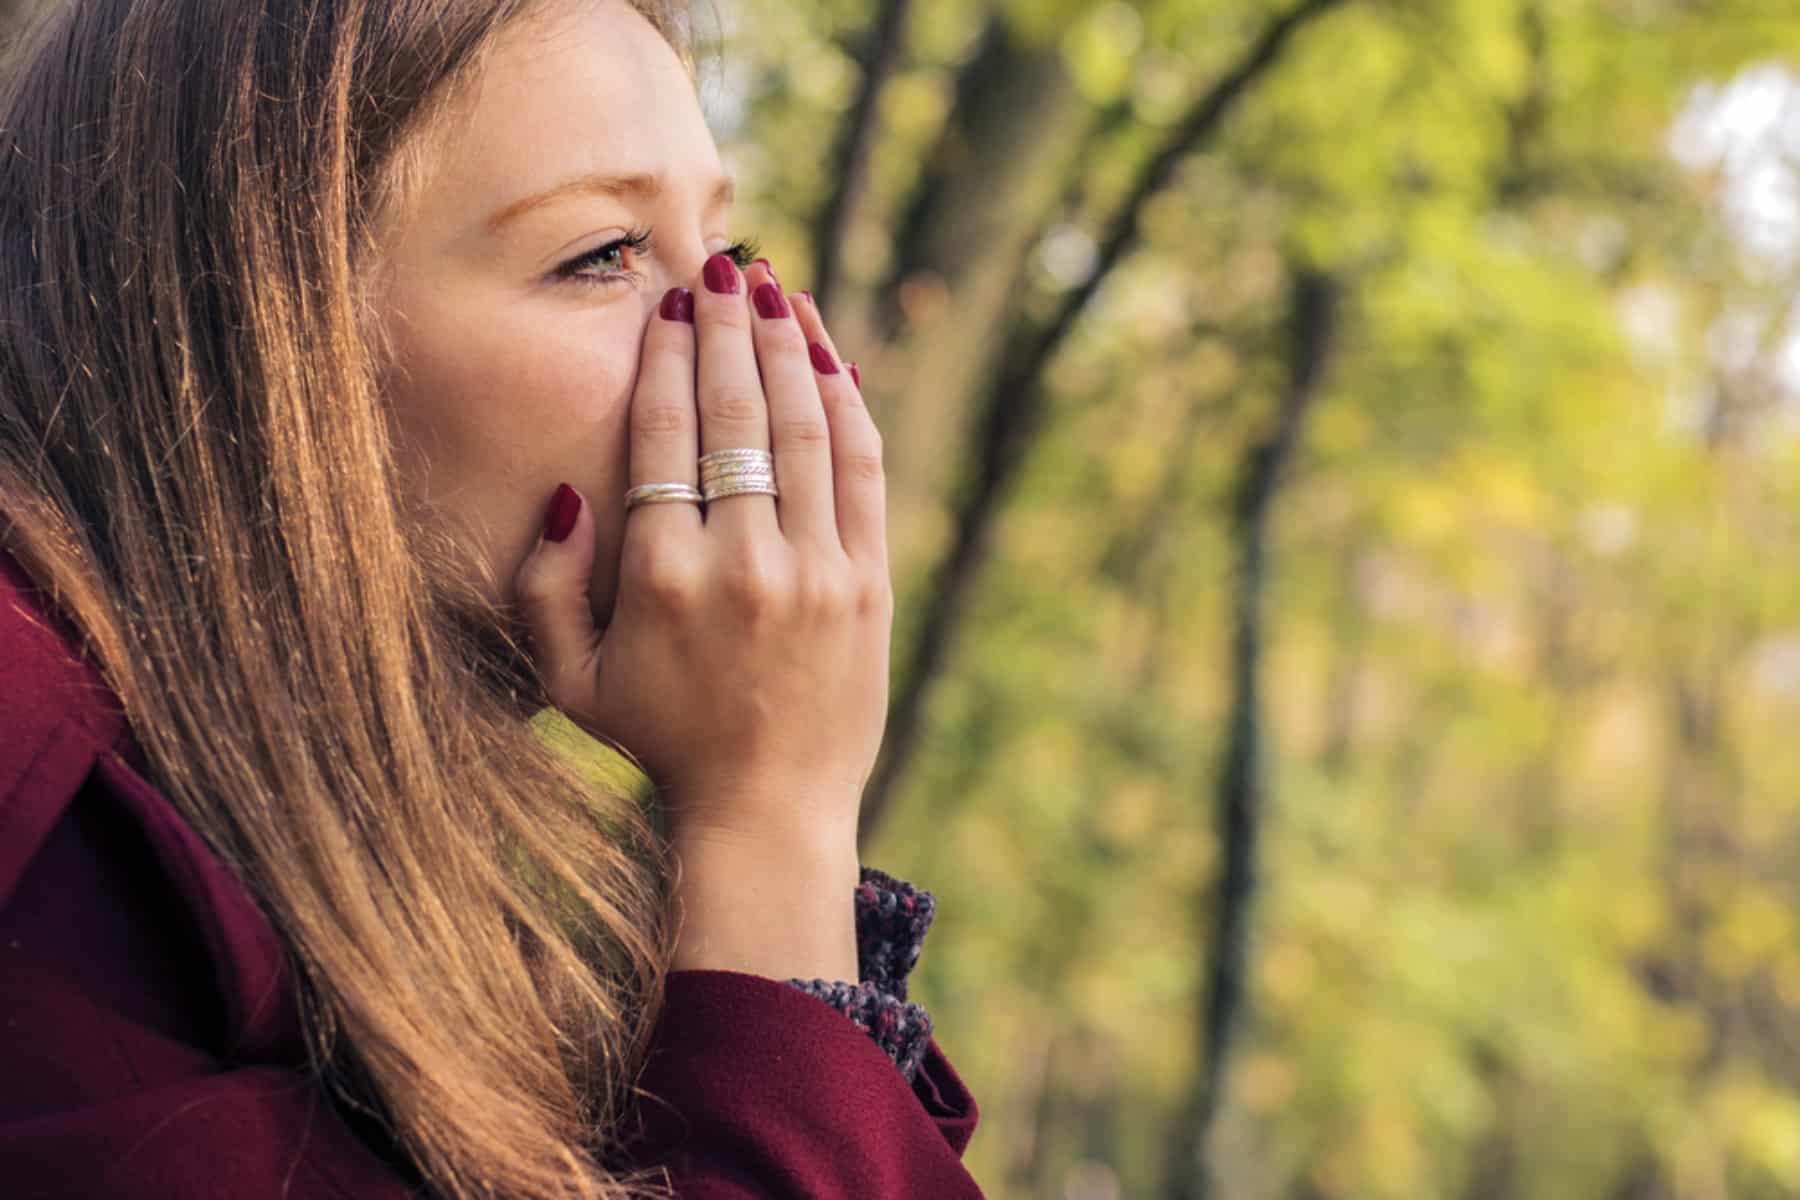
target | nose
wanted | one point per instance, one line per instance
(682, 261)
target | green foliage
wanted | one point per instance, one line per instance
(1526, 925)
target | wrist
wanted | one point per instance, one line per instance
(778, 910)
(764, 814)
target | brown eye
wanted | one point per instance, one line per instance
(591, 267)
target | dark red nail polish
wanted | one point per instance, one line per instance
(721, 274)
(678, 305)
(769, 301)
(809, 297)
(821, 357)
(565, 506)
(768, 266)
(855, 375)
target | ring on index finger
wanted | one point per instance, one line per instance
(662, 493)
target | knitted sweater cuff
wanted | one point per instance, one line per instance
(902, 1029)
(892, 917)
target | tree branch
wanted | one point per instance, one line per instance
(1015, 408)
(850, 156)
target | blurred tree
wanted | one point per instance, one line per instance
(1526, 811)
(1313, 328)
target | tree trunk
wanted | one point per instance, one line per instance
(1239, 789)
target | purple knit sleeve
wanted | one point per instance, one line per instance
(891, 919)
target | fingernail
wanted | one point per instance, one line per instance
(809, 298)
(821, 359)
(565, 506)
(768, 266)
(769, 300)
(855, 375)
(678, 305)
(721, 274)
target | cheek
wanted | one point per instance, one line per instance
(494, 408)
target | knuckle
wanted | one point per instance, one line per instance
(670, 337)
(826, 594)
(533, 585)
(666, 579)
(659, 417)
(564, 686)
(753, 584)
(736, 402)
(846, 395)
(784, 335)
(875, 596)
(729, 312)
(863, 466)
(804, 431)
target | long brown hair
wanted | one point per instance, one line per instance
(195, 462)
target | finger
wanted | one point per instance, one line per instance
(812, 323)
(733, 412)
(798, 430)
(859, 480)
(551, 589)
(664, 426)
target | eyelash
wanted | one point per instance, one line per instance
(743, 252)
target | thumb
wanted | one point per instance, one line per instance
(552, 590)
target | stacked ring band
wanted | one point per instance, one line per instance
(737, 472)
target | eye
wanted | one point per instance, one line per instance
(589, 268)
(605, 265)
(743, 252)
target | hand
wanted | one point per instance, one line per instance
(745, 666)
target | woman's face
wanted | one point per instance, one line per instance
(515, 344)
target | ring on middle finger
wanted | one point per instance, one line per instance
(750, 483)
(730, 463)
(737, 472)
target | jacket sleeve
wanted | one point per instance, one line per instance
(755, 1090)
(759, 1088)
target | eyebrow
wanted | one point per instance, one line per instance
(644, 186)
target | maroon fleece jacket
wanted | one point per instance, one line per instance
(150, 1043)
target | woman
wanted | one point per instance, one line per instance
(357, 362)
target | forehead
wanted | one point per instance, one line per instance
(572, 88)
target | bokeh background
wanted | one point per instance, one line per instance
(1345, 509)
(1344, 490)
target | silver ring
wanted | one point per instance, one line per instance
(662, 493)
(762, 486)
(742, 454)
